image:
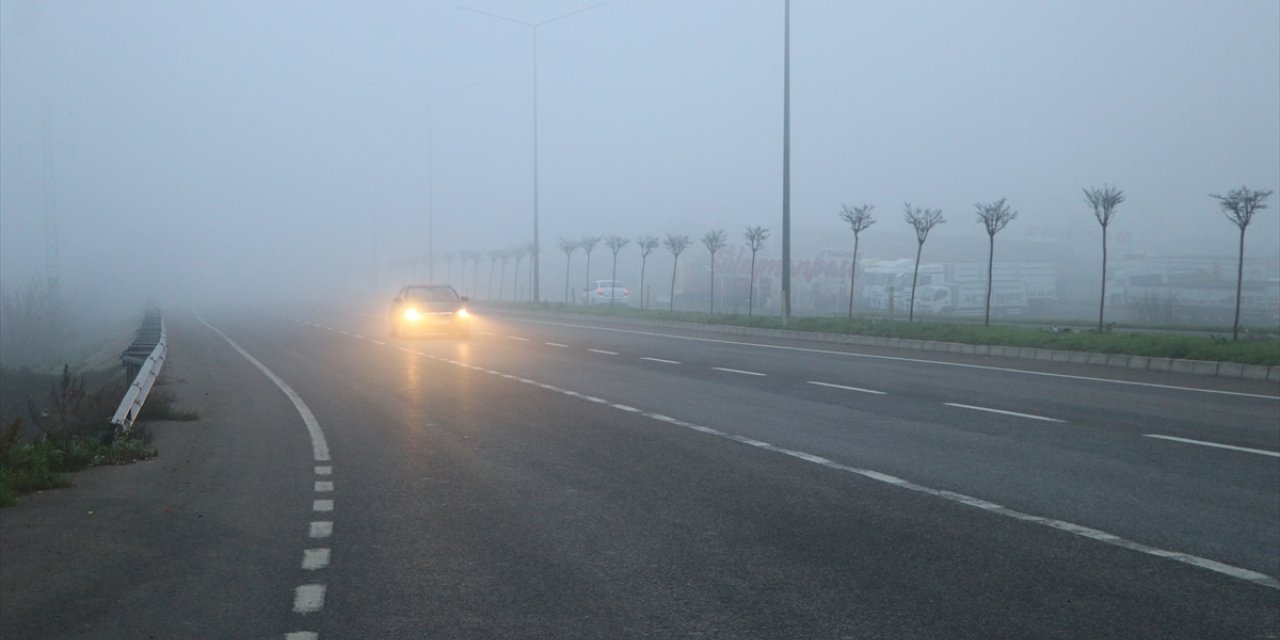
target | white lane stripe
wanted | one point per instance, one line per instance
(1238, 573)
(941, 363)
(302, 635)
(378, 342)
(356, 335)
(745, 373)
(1261, 452)
(518, 338)
(846, 388)
(324, 471)
(1003, 412)
(603, 352)
(324, 485)
(661, 360)
(555, 344)
(313, 559)
(321, 529)
(322, 505)
(319, 448)
(309, 598)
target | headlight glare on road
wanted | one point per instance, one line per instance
(412, 315)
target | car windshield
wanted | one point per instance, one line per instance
(431, 294)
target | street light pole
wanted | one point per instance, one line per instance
(533, 26)
(786, 165)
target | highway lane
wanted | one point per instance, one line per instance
(465, 479)
(1095, 468)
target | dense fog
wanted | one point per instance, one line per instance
(201, 152)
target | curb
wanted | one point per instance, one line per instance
(1270, 373)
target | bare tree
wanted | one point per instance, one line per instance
(449, 257)
(676, 244)
(714, 241)
(588, 244)
(504, 256)
(1104, 202)
(922, 220)
(615, 244)
(859, 218)
(518, 254)
(1238, 206)
(994, 216)
(755, 237)
(568, 247)
(647, 244)
(493, 261)
(476, 257)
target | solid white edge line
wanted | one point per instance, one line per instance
(660, 360)
(745, 373)
(847, 388)
(943, 363)
(1003, 412)
(1216, 445)
(319, 447)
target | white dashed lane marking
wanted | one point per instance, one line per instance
(1003, 412)
(321, 529)
(313, 559)
(846, 388)
(324, 485)
(308, 598)
(322, 505)
(661, 360)
(1216, 445)
(738, 371)
(603, 352)
(555, 344)
(518, 338)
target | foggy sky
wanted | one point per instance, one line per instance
(271, 147)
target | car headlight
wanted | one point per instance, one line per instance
(412, 315)
(463, 313)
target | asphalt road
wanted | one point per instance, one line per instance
(555, 479)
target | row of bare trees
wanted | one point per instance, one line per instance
(1239, 206)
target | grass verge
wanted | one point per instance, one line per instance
(1263, 350)
(69, 431)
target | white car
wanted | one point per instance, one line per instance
(606, 291)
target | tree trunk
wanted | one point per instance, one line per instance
(911, 310)
(615, 281)
(991, 256)
(713, 283)
(1235, 326)
(568, 259)
(674, 264)
(1103, 301)
(853, 272)
(751, 286)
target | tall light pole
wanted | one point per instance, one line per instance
(786, 165)
(533, 27)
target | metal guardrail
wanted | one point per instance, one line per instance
(142, 362)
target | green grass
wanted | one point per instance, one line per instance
(44, 462)
(1264, 349)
